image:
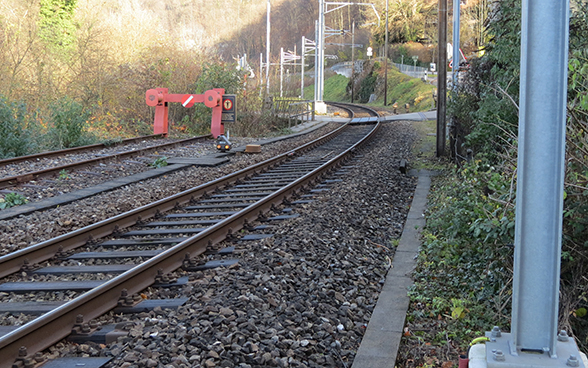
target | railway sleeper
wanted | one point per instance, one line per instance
(137, 303)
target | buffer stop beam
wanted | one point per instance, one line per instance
(222, 105)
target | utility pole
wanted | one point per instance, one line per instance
(442, 78)
(260, 73)
(316, 57)
(534, 340)
(386, 59)
(540, 189)
(302, 67)
(320, 44)
(318, 97)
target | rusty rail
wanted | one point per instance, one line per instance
(58, 323)
(66, 151)
(17, 179)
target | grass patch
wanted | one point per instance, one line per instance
(403, 90)
(424, 151)
(335, 89)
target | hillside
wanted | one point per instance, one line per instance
(402, 89)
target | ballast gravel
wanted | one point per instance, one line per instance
(300, 299)
(68, 181)
(27, 230)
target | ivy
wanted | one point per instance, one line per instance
(485, 108)
(486, 115)
(56, 23)
(464, 267)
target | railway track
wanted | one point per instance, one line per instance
(43, 165)
(170, 233)
(67, 151)
(358, 113)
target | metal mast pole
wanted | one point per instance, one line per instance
(442, 78)
(321, 51)
(316, 73)
(260, 72)
(295, 50)
(456, 55)
(534, 341)
(267, 50)
(386, 59)
(539, 209)
(303, 53)
(352, 59)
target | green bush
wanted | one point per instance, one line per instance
(16, 139)
(462, 280)
(367, 87)
(196, 120)
(485, 110)
(68, 128)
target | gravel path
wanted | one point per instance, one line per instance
(300, 299)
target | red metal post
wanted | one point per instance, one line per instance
(213, 98)
(156, 97)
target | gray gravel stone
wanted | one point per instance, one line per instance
(300, 299)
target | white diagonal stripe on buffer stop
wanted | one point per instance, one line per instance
(188, 101)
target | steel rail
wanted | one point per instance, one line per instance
(17, 179)
(58, 323)
(13, 160)
(40, 252)
(342, 106)
(349, 106)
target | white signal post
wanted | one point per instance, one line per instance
(286, 58)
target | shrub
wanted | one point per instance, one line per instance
(367, 87)
(69, 123)
(463, 277)
(15, 137)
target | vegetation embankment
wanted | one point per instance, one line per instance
(463, 281)
(369, 89)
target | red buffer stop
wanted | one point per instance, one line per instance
(160, 98)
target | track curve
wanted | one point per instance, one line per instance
(59, 322)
